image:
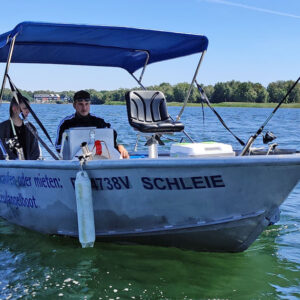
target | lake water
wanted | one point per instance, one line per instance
(34, 265)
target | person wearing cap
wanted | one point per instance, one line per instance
(14, 127)
(83, 118)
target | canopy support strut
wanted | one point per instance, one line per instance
(145, 65)
(139, 81)
(191, 86)
(11, 48)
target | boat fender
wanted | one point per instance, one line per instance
(85, 210)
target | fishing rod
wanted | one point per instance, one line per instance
(204, 98)
(259, 131)
(16, 93)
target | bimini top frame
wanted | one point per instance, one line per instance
(123, 47)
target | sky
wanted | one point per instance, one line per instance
(249, 40)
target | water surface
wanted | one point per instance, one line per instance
(34, 265)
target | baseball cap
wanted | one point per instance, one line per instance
(82, 96)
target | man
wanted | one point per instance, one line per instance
(14, 128)
(83, 118)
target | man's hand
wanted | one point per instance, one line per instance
(123, 151)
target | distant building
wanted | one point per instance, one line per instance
(67, 99)
(44, 98)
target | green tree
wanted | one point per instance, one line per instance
(294, 96)
(96, 97)
(67, 95)
(180, 91)
(262, 94)
(27, 94)
(118, 95)
(168, 91)
(277, 91)
(7, 95)
(222, 93)
(209, 90)
(245, 92)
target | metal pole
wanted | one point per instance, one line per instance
(146, 62)
(138, 81)
(190, 89)
(185, 133)
(12, 44)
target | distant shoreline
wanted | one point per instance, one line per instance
(221, 104)
(224, 104)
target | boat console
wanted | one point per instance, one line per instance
(91, 142)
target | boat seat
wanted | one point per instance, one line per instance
(147, 112)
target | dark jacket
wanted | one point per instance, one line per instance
(78, 121)
(32, 147)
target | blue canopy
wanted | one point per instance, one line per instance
(49, 43)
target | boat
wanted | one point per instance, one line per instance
(196, 196)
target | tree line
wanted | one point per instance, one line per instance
(230, 91)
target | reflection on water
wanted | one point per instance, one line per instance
(49, 266)
(34, 265)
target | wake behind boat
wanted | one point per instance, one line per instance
(200, 196)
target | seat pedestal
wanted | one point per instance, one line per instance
(152, 146)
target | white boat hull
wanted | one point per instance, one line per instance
(219, 204)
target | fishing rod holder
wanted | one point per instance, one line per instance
(272, 148)
(14, 145)
(86, 153)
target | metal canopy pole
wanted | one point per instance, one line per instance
(12, 44)
(191, 86)
(146, 62)
(139, 81)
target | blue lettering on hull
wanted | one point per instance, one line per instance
(108, 183)
(39, 181)
(157, 183)
(182, 183)
(18, 200)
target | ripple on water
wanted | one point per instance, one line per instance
(34, 265)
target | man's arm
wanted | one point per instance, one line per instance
(123, 151)
(102, 124)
